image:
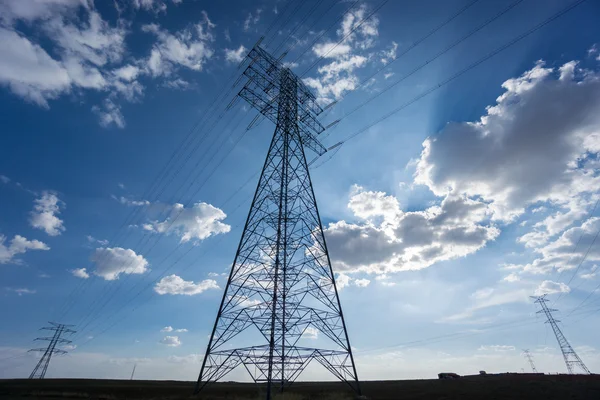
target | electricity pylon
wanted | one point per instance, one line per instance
(42, 366)
(571, 358)
(529, 358)
(281, 289)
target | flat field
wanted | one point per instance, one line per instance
(490, 387)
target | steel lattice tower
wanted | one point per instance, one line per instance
(281, 286)
(39, 372)
(571, 358)
(529, 358)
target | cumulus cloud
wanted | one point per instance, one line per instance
(80, 273)
(18, 245)
(44, 214)
(550, 287)
(198, 222)
(167, 329)
(511, 277)
(171, 341)
(236, 56)
(174, 284)
(84, 46)
(342, 280)
(112, 262)
(88, 52)
(518, 154)
(390, 240)
(362, 282)
(181, 330)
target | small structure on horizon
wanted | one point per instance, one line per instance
(448, 375)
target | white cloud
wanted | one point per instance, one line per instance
(390, 240)
(497, 347)
(29, 71)
(127, 73)
(568, 250)
(338, 76)
(199, 222)
(11, 10)
(190, 47)
(550, 287)
(524, 155)
(252, 19)
(80, 273)
(388, 56)
(171, 341)
(236, 56)
(178, 84)
(130, 202)
(342, 280)
(171, 329)
(44, 214)
(21, 291)
(362, 282)
(155, 6)
(513, 277)
(18, 245)
(112, 262)
(4, 179)
(109, 114)
(101, 242)
(310, 333)
(87, 53)
(489, 297)
(174, 284)
(93, 41)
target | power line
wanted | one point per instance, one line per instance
(429, 61)
(407, 50)
(108, 297)
(79, 288)
(463, 71)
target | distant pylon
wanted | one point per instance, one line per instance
(571, 358)
(39, 372)
(281, 291)
(529, 358)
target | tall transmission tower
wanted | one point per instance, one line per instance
(42, 366)
(571, 358)
(529, 358)
(281, 291)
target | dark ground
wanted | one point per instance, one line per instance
(490, 387)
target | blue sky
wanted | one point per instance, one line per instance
(441, 219)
